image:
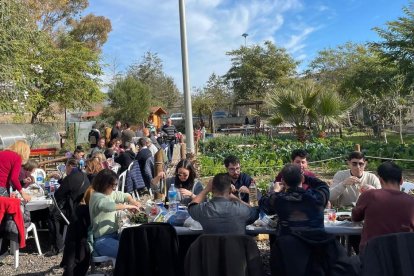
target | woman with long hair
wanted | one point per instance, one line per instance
(103, 204)
(11, 161)
(92, 167)
(185, 182)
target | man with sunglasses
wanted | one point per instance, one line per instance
(347, 185)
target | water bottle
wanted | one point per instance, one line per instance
(81, 164)
(172, 198)
(39, 177)
(253, 194)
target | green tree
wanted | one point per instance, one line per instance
(129, 100)
(257, 70)
(214, 95)
(68, 76)
(306, 105)
(149, 71)
(18, 36)
(397, 43)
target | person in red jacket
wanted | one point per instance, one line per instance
(11, 161)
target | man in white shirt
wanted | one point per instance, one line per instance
(347, 185)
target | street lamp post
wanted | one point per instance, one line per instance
(245, 36)
(186, 82)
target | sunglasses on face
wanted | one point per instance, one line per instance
(360, 164)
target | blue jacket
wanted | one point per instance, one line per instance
(134, 179)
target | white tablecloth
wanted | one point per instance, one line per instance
(339, 228)
(38, 203)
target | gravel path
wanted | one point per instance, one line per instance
(31, 264)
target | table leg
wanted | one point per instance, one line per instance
(348, 245)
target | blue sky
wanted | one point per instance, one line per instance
(214, 27)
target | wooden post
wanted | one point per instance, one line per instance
(182, 151)
(357, 147)
(159, 167)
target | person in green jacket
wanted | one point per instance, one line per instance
(103, 205)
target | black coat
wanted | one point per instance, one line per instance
(150, 249)
(311, 253)
(77, 254)
(223, 255)
(389, 255)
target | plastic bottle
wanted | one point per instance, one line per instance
(81, 164)
(172, 198)
(253, 194)
(39, 177)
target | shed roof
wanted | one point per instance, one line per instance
(157, 110)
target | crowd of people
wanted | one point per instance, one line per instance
(297, 196)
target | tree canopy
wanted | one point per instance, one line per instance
(149, 70)
(256, 70)
(129, 100)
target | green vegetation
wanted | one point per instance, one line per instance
(264, 156)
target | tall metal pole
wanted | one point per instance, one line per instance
(245, 40)
(186, 82)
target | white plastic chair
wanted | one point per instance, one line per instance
(32, 227)
(121, 181)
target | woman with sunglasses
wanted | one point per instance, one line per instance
(104, 202)
(185, 182)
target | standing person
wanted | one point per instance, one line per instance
(300, 158)
(224, 213)
(11, 161)
(103, 204)
(347, 184)
(100, 147)
(93, 136)
(185, 181)
(116, 131)
(170, 131)
(127, 135)
(107, 134)
(241, 181)
(146, 161)
(297, 209)
(386, 210)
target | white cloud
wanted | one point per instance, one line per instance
(214, 27)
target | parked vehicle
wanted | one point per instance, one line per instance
(220, 114)
(177, 116)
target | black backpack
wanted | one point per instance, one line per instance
(92, 137)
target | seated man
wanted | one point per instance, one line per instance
(347, 184)
(224, 213)
(300, 158)
(298, 209)
(241, 181)
(386, 210)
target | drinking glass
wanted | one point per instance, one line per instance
(331, 215)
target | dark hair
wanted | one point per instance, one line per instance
(108, 153)
(30, 165)
(72, 162)
(110, 144)
(103, 180)
(299, 153)
(77, 150)
(390, 172)
(356, 155)
(292, 175)
(79, 147)
(126, 125)
(189, 183)
(231, 159)
(221, 183)
(142, 142)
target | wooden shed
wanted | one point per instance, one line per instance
(156, 113)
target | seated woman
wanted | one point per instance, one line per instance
(93, 167)
(185, 182)
(103, 204)
(26, 172)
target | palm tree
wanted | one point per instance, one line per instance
(306, 105)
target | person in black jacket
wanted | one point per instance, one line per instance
(67, 196)
(146, 161)
(125, 159)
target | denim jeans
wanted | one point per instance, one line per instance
(107, 245)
